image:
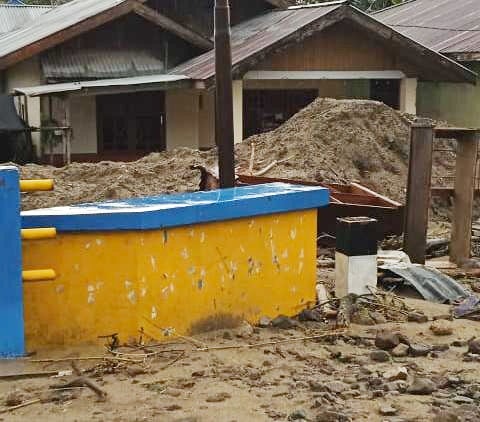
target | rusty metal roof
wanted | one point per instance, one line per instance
(446, 26)
(256, 34)
(254, 39)
(99, 64)
(14, 16)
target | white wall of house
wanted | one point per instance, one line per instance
(182, 110)
(207, 119)
(25, 74)
(237, 111)
(408, 95)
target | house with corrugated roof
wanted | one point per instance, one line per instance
(451, 28)
(134, 76)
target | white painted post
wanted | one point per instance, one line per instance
(238, 111)
(408, 95)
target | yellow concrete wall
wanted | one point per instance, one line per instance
(182, 110)
(25, 74)
(181, 280)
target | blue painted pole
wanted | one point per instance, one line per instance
(12, 338)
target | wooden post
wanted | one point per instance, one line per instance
(467, 149)
(224, 96)
(418, 190)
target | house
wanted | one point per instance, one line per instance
(134, 76)
(451, 28)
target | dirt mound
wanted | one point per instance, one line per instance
(328, 141)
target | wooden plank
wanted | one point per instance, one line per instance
(467, 150)
(68, 33)
(170, 25)
(453, 132)
(418, 191)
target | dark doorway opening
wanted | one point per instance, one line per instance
(265, 110)
(131, 124)
(387, 91)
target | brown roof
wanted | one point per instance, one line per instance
(254, 39)
(446, 26)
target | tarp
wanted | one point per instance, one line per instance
(9, 119)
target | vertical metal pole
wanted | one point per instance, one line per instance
(224, 95)
(418, 191)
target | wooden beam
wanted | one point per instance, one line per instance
(467, 150)
(68, 33)
(170, 25)
(418, 190)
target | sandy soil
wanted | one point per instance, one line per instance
(265, 383)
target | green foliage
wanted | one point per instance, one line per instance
(367, 5)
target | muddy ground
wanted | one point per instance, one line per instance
(327, 379)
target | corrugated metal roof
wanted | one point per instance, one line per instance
(37, 91)
(446, 26)
(53, 21)
(13, 17)
(99, 64)
(254, 35)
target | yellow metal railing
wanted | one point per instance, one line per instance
(40, 185)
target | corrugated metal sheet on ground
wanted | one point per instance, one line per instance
(53, 21)
(446, 26)
(36, 91)
(99, 64)
(13, 17)
(255, 35)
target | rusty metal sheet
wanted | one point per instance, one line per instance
(446, 26)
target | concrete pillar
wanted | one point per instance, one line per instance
(238, 111)
(408, 95)
(182, 111)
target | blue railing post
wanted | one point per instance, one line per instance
(12, 339)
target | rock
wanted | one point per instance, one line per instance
(316, 386)
(400, 351)
(440, 347)
(418, 350)
(446, 416)
(227, 335)
(417, 317)
(297, 415)
(310, 315)
(245, 330)
(447, 317)
(283, 322)
(332, 416)
(474, 347)
(336, 387)
(378, 317)
(135, 371)
(441, 327)
(172, 392)
(387, 410)
(264, 322)
(217, 398)
(422, 386)
(399, 386)
(14, 398)
(476, 287)
(459, 343)
(396, 374)
(173, 407)
(462, 400)
(379, 356)
(387, 340)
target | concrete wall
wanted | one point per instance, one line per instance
(182, 109)
(238, 111)
(458, 104)
(25, 74)
(408, 95)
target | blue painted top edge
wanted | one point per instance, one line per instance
(165, 211)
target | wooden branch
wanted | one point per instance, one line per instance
(170, 25)
(19, 406)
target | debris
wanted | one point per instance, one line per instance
(264, 322)
(310, 315)
(387, 340)
(396, 374)
(432, 285)
(83, 382)
(14, 398)
(474, 347)
(345, 310)
(400, 351)
(245, 330)
(469, 308)
(297, 415)
(19, 406)
(27, 375)
(422, 386)
(379, 356)
(441, 327)
(283, 322)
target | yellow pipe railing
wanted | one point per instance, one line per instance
(38, 275)
(36, 185)
(38, 234)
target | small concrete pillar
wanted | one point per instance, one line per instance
(408, 95)
(238, 111)
(355, 255)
